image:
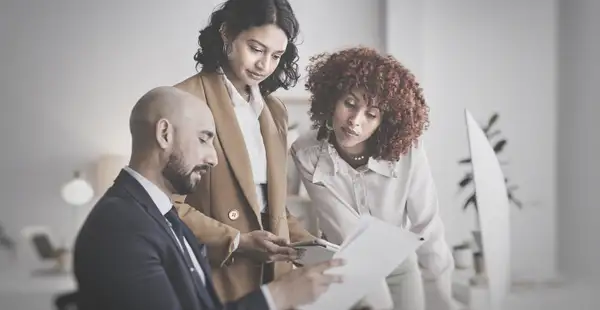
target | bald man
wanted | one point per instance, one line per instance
(133, 251)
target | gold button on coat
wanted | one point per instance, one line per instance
(234, 214)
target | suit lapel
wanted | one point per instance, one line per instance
(276, 151)
(141, 196)
(230, 136)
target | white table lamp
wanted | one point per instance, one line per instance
(78, 191)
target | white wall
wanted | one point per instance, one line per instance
(326, 27)
(72, 70)
(578, 143)
(489, 56)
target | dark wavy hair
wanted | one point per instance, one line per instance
(241, 15)
(387, 84)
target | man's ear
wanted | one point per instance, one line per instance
(164, 133)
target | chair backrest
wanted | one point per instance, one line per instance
(66, 301)
(43, 246)
(493, 212)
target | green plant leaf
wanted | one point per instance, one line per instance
(464, 161)
(493, 119)
(493, 134)
(466, 180)
(514, 200)
(513, 188)
(500, 146)
(471, 200)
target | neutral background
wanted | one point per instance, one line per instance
(71, 71)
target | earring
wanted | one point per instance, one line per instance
(226, 48)
(224, 38)
(328, 125)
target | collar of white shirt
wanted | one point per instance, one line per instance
(160, 199)
(383, 167)
(256, 100)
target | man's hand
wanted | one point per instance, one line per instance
(265, 247)
(303, 285)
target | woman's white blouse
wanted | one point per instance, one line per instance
(401, 193)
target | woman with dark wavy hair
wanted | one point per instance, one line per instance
(246, 52)
(366, 157)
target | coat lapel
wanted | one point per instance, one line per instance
(275, 147)
(230, 136)
(139, 193)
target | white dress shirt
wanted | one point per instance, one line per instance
(247, 114)
(401, 193)
(164, 204)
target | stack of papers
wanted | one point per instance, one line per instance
(372, 252)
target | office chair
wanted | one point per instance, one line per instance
(66, 301)
(47, 252)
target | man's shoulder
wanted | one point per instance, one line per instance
(114, 225)
(112, 204)
(113, 214)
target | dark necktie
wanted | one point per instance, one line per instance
(177, 227)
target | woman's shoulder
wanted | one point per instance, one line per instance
(414, 158)
(306, 150)
(307, 142)
(192, 85)
(276, 105)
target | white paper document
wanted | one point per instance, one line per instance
(371, 252)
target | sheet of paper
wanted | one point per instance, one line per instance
(371, 253)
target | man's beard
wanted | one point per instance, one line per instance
(175, 174)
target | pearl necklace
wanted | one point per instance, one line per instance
(358, 158)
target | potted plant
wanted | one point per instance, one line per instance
(498, 144)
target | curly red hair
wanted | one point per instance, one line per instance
(387, 84)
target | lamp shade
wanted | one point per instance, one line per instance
(78, 191)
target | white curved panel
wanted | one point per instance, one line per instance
(493, 211)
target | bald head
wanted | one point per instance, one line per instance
(172, 135)
(168, 105)
(165, 102)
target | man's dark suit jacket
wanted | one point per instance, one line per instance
(126, 258)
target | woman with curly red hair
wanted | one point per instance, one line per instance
(365, 157)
